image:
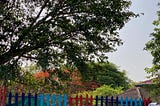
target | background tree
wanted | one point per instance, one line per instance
(153, 46)
(59, 31)
(108, 74)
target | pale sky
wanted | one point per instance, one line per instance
(131, 56)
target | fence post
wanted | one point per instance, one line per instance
(81, 99)
(117, 102)
(35, 99)
(16, 99)
(91, 100)
(106, 101)
(101, 100)
(10, 99)
(59, 100)
(54, 100)
(135, 102)
(140, 102)
(41, 99)
(126, 101)
(47, 99)
(112, 101)
(29, 99)
(70, 101)
(65, 100)
(131, 102)
(87, 100)
(23, 98)
(96, 100)
(121, 100)
(76, 99)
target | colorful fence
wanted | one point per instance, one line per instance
(64, 100)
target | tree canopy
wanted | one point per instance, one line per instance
(59, 31)
(108, 74)
(153, 46)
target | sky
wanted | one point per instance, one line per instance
(131, 56)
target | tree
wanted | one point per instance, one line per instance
(108, 74)
(153, 46)
(59, 31)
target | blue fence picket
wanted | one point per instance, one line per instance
(16, 99)
(29, 99)
(106, 101)
(140, 102)
(35, 99)
(96, 100)
(41, 97)
(23, 99)
(135, 102)
(65, 100)
(117, 101)
(54, 100)
(59, 100)
(112, 101)
(101, 100)
(10, 99)
(47, 98)
(121, 101)
(131, 101)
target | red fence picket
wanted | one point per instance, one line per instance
(3, 95)
(78, 100)
(146, 101)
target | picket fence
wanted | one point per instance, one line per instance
(64, 100)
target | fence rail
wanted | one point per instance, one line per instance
(64, 100)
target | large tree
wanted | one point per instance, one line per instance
(59, 31)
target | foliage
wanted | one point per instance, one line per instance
(59, 31)
(153, 46)
(104, 90)
(108, 74)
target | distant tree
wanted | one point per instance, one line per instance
(153, 46)
(59, 31)
(108, 74)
